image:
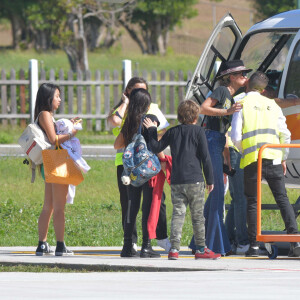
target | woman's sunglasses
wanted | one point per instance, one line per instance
(244, 73)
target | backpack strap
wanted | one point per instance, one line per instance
(37, 118)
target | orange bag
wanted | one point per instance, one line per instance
(59, 167)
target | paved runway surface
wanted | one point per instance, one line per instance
(233, 277)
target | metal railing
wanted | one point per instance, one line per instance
(274, 237)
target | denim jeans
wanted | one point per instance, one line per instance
(236, 217)
(215, 232)
(275, 178)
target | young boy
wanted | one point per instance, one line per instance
(189, 155)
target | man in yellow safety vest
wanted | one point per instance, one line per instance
(260, 122)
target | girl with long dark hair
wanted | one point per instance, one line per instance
(139, 104)
(116, 120)
(47, 101)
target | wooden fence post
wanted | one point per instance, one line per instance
(79, 92)
(154, 87)
(89, 124)
(180, 88)
(115, 87)
(22, 98)
(163, 105)
(98, 99)
(106, 97)
(13, 97)
(61, 77)
(172, 94)
(3, 97)
(70, 93)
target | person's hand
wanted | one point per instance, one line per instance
(283, 163)
(76, 119)
(148, 123)
(234, 108)
(209, 187)
(125, 99)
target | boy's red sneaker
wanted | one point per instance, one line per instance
(206, 254)
(173, 254)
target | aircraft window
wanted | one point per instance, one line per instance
(259, 47)
(219, 51)
(292, 87)
(225, 41)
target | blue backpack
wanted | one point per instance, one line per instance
(139, 163)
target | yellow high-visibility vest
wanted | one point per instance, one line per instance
(260, 118)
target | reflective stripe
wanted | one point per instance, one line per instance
(260, 131)
(253, 149)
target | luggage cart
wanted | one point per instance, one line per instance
(269, 239)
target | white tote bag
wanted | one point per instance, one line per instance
(32, 141)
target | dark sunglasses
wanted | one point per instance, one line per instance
(244, 73)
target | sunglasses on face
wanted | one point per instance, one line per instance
(244, 73)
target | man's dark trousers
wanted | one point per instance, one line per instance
(275, 178)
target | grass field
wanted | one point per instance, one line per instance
(10, 135)
(99, 60)
(95, 217)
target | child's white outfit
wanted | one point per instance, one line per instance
(65, 126)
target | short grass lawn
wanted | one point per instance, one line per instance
(95, 217)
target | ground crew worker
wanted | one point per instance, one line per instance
(260, 122)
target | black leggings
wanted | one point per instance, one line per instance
(124, 202)
(161, 230)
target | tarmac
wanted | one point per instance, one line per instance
(108, 259)
(113, 277)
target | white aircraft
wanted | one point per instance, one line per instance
(271, 46)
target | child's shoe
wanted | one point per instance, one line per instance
(208, 254)
(43, 249)
(173, 254)
(165, 244)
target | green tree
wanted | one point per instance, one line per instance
(268, 8)
(151, 21)
(14, 11)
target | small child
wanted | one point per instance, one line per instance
(189, 155)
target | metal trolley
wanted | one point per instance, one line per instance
(269, 239)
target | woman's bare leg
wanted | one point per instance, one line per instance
(45, 216)
(59, 197)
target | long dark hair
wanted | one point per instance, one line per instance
(131, 83)
(139, 103)
(44, 98)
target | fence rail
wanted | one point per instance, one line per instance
(89, 96)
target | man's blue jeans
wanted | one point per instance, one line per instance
(215, 232)
(236, 217)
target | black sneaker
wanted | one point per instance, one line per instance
(252, 252)
(44, 249)
(61, 250)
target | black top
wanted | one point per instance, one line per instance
(145, 133)
(189, 153)
(225, 101)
